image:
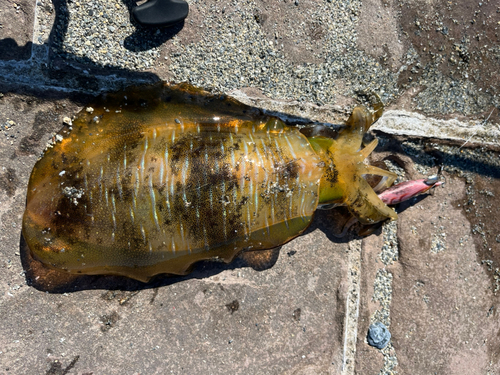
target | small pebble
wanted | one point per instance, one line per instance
(67, 121)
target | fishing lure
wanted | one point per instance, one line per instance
(155, 179)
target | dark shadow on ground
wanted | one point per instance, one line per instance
(426, 152)
(10, 50)
(73, 72)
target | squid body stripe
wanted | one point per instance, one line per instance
(198, 194)
(290, 147)
(153, 201)
(303, 204)
(259, 155)
(165, 156)
(100, 182)
(296, 193)
(210, 197)
(198, 220)
(143, 234)
(222, 148)
(119, 182)
(303, 166)
(233, 157)
(205, 238)
(235, 196)
(264, 148)
(272, 210)
(113, 212)
(242, 181)
(124, 157)
(87, 188)
(114, 225)
(185, 169)
(255, 193)
(167, 198)
(245, 149)
(113, 203)
(223, 203)
(249, 219)
(243, 164)
(278, 149)
(267, 223)
(182, 233)
(162, 171)
(142, 164)
(224, 220)
(273, 162)
(132, 214)
(286, 221)
(134, 203)
(172, 188)
(136, 187)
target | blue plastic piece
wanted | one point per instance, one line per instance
(378, 335)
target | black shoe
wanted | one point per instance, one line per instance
(161, 12)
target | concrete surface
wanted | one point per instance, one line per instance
(432, 278)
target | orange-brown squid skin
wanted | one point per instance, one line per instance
(160, 177)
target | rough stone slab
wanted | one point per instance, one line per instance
(441, 318)
(287, 320)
